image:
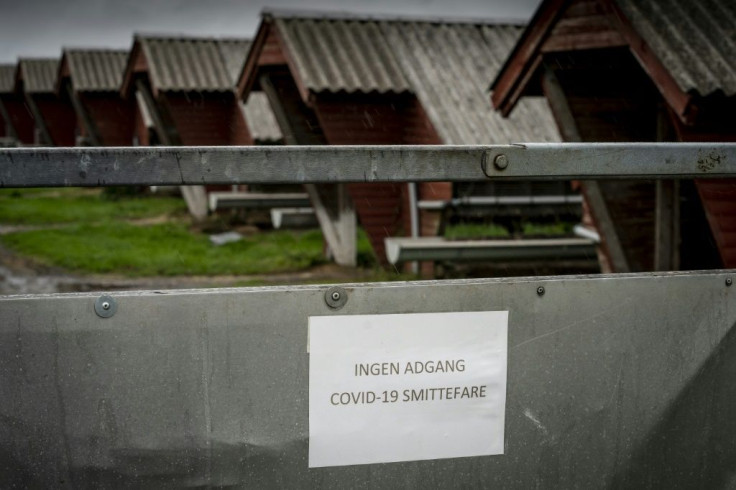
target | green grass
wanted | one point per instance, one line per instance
(470, 230)
(43, 206)
(547, 229)
(528, 229)
(165, 249)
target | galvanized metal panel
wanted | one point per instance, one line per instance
(613, 381)
(38, 74)
(96, 70)
(50, 167)
(695, 41)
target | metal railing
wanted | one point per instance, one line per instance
(52, 167)
(616, 380)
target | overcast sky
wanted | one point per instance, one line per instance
(42, 27)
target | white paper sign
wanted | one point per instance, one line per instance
(385, 388)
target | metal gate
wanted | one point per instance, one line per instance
(620, 380)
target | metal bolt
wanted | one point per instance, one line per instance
(540, 291)
(336, 297)
(729, 281)
(106, 306)
(501, 162)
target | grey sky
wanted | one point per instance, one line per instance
(42, 27)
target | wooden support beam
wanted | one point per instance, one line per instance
(90, 127)
(337, 218)
(593, 196)
(159, 125)
(194, 195)
(43, 130)
(9, 128)
(332, 204)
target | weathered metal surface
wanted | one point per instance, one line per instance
(400, 250)
(49, 167)
(695, 41)
(611, 160)
(613, 381)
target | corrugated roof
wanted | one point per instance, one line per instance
(260, 118)
(234, 52)
(96, 70)
(341, 54)
(192, 64)
(210, 65)
(39, 74)
(447, 65)
(694, 40)
(7, 78)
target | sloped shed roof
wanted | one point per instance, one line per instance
(96, 70)
(7, 78)
(189, 64)
(181, 64)
(234, 52)
(38, 74)
(694, 40)
(447, 65)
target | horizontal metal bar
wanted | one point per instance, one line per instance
(407, 249)
(56, 167)
(293, 217)
(252, 200)
(476, 201)
(613, 160)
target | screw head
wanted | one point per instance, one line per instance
(336, 297)
(540, 291)
(729, 281)
(106, 306)
(501, 162)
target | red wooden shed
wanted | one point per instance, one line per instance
(18, 121)
(335, 79)
(54, 119)
(184, 92)
(90, 80)
(639, 70)
(191, 84)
